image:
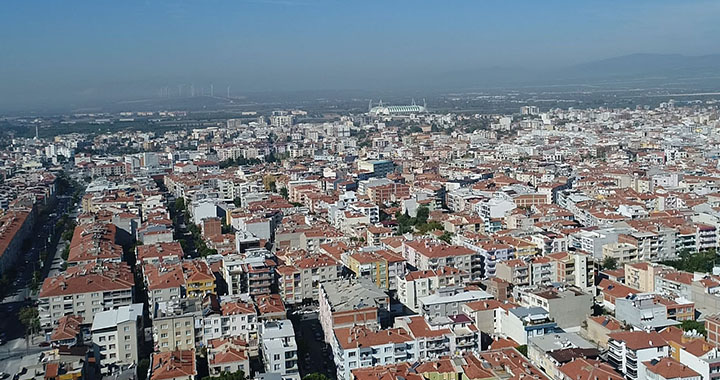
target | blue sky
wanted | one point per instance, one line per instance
(60, 49)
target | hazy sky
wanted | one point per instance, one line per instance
(67, 51)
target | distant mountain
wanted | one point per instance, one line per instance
(646, 65)
(638, 69)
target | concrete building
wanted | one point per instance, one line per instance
(643, 312)
(568, 307)
(360, 347)
(85, 290)
(177, 325)
(351, 303)
(279, 348)
(173, 365)
(417, 284)
(377, 168)
(116, 335)
(523, 323)
(629, 349)
(447, 302)
(548, 352)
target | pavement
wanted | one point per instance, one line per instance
(14, 355)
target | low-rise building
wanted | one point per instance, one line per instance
(173, 365)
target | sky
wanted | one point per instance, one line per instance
(74, 52)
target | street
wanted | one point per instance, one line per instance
(313, 354)
(19, 294)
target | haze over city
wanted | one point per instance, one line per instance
(85, 53)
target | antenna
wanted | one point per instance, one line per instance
(413, 101)
(228, 91)
(212, 90)
(424, 103)
(370, 106)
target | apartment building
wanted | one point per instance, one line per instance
(361, 347)
(85, 290)
(349, 303)
(431, 255)
(422, 283)
(279, 348)
(575, 268)
(199, 278)
(164, 282)
(116, 335)
(177, 324)
(446, 302)
(228, 355)
(523, 323)
(234, 318)
(569, 307)
(627, 351)
(381, 267)
(299, 280)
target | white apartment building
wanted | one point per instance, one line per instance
(279, 348)
(360, 347)
(627, 351)
(116, 335)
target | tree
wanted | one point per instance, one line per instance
(284, 193)
(315, 376)
(446, 237)
(237, 202)
(30, 319)
(422, 215)
(239, 375)
(694, 325)
(180, 204)
(142, 368)
(522, 349)
(694, 261)
(610, 263)
(269, 182)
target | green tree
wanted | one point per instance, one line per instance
(315, 376)
(237, 202)
(142, 368)
(284, 193)
(609, 263)
(694, 261)
(30, 319)
(522, 349)
(422, 215)
(430, 226)
(180, 204)
(694, 325)
(239, 375)
(446, 237)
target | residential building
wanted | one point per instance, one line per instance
(116, 335)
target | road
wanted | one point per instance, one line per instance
(19, 293)
(313, 354)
